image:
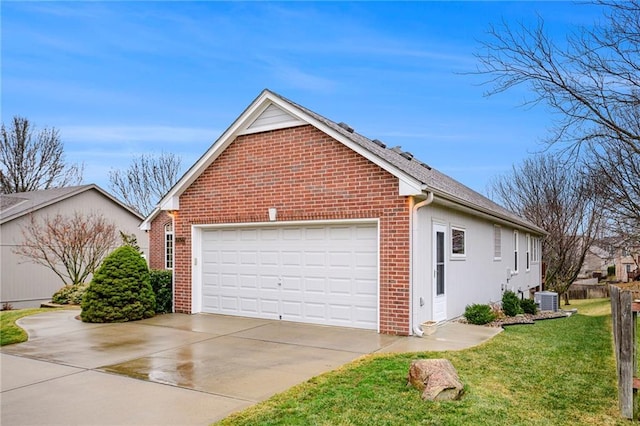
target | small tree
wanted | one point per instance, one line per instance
(590, 80)
(563, 201)
(146, 180)
(71, 246)
(31, 161)
(120, 290)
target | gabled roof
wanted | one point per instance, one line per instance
(13, 206)
(270, 111)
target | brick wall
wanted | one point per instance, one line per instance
(306, 175)
(156, 241)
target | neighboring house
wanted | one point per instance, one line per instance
(622, 253)
(291, 216)
(627, 262)
(596, 262)
(26, 284)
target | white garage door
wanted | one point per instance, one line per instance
(314, 274)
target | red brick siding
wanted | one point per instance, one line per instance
(156, 241)
(306, 175)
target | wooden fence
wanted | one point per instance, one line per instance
(623, 316)
(588, 291)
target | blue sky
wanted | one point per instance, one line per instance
(119, 79)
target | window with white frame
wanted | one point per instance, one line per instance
(535, 250)
(515, 251)
(458, 242)
(528, 253)
(497, 242)
(168, 245)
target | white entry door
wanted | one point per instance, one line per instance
(439, 272)
(322, 274)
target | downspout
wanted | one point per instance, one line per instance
(414, 231)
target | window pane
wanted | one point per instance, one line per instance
(457, 241)
(440, 280)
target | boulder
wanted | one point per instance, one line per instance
(436, 378)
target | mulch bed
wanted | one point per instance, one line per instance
(525, 318)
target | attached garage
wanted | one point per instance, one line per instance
(353, 237)
(321, 273)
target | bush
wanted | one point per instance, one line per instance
(511, 304)
(479, 314)
(529, 306)
(120, 290)
(161, 284)
(70, 294)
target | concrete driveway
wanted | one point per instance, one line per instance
(179, 369)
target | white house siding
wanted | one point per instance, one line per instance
(475, 278)
(26, 284)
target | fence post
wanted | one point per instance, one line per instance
(623, 321)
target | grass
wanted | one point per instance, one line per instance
(555, 372)
(10, 333)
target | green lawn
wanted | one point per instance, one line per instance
(556, 372)
(10, 333)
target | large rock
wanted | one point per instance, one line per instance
(436, 378)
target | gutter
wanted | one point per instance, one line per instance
(417, 330)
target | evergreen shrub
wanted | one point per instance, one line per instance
(120, 290)
(511, 304)
(529, 306)
(70, 294)
(479, 314)
(161, 284)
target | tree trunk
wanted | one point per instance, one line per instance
(436, 378)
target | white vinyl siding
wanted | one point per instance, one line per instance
(273, 118)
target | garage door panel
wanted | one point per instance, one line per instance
(229, 303)
(228, 257)
(339, 258)
(291, 258)
(229, 235)
(292, 234)
(366, 260)
(315, 234)
(249, 305)
(269, 283)
(270, 307)
(248, 234)
(268, 258)
(340, 287)
(314, 285)
(249, 258)
(317, 274)
(314, 258)
(249, 282)
(366, 288)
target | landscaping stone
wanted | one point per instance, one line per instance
(436, 378)
(524, 318)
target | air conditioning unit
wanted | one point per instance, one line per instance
(546, 300)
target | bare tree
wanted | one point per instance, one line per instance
(71, 246)
(147, 179)
(30, 161)
(591, 81)
(561, 200)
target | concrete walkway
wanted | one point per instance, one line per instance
(179, 369)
